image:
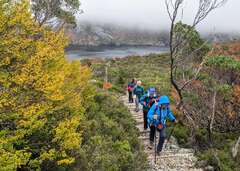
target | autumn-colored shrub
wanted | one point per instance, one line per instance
(42, 96)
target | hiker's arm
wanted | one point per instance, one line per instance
(151, 112)
(142, 91)
(134, 90)
(170, 116)
(142, 100)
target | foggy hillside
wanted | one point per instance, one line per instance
(100, 34)
(88, 34)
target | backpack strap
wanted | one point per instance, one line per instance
(155, 110)
(168, 110)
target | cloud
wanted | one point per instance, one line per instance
(151, 14)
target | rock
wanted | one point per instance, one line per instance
(209, 168)
(172, 146)
(201, 163)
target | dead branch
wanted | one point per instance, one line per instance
(236, 148)
(204, 8)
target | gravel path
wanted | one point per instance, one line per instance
(172, 158)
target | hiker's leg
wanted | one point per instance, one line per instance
(145, 119)
(137, 103)
(162, 136)
(152, 133)
(130, 97)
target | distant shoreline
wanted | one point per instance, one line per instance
(73, 47)
(80, 52)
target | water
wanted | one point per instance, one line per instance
(116, 52)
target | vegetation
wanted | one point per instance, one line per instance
(39, 124)
(198, 96)
(52, 117)
(146, 69)
(224, 62)
(192, 42)
(55, 12)
(110, 140)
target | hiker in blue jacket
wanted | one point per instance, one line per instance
(138, 92)
(147, 100)
(157, 116)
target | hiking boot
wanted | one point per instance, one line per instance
(158, 153)
(150, 146)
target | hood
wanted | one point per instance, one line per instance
(164, 100)
(152, 90)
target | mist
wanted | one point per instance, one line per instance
(152, 14)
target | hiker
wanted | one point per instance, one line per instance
(147, 101)
(157, 116)
(138, 92)
(131, 86)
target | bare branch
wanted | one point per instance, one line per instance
(176, 44)
(236, 148)
(205, 7)
(168, 9)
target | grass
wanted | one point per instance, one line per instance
(152, 71)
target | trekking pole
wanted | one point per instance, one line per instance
(170, 136)
(155, 145)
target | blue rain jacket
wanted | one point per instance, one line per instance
(163, 114)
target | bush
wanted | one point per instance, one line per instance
(224, 62)
(110, 139)
(182, 133)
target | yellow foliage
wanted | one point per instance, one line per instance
(66, 135)
(66, 161)
(42, 96)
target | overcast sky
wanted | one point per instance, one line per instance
(151, 14)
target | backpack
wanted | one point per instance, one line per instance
(160, 125)
(151, 102)
(130, 88)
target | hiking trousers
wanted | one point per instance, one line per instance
(162, 136)
(130, 96)
(137, 103)
(145, 122)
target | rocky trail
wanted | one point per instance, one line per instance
(172, 158)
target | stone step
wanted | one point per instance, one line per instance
(138, 118)
(145, 132)
(144, 138)
(169, 153)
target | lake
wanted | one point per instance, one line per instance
(115, 52)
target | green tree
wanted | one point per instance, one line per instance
(193, 43)
(55, 12)
(42, 96)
